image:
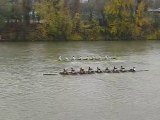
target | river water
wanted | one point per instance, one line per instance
(25, 94)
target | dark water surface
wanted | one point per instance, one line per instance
(25, 94)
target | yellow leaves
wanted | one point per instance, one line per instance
(57, 21)
(122, 20)
(113, 28)
(141, 8)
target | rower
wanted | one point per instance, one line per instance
(122, 69)
(99, 70)
(80, 58)
(90, 70)
(96, 58)
(82, 71)
(134, 69)
(87, 58)
(107, 69)
(114, 69)
(100, 58)
(72, 70)
(106, 57)
(91, 58)
(60, 58)
(65, 71)
(66, 59)
(73, 58)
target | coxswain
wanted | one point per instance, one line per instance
(133, 69)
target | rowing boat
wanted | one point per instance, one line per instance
(94, 72)
(87, 59)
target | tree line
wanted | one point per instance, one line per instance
(77, 20)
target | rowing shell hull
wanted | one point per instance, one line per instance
(86, 73)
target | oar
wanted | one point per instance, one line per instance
(141, 70)
(50, 73)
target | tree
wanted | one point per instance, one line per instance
(123, 22)
(56, 20)
(142, 21)
(91, 30)
(2, 23)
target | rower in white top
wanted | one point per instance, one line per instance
(87, 58)
(60, 58)
(100, 58)
(80, 58)
(106, 57)
(66, 59)
(73, 58)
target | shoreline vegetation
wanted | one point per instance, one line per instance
(62, 20)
